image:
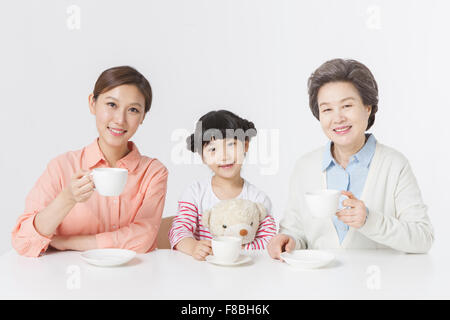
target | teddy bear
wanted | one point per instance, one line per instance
(235, 217)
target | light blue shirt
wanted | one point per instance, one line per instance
(350, 179)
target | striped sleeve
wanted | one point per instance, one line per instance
(184, 225)
(266, 230)
(186, 222)
(267, 227)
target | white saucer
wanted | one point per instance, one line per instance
(307, 259)
(241, 260)
(108, 257)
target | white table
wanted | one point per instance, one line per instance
(166, 274)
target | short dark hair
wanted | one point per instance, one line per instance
(221, 124)
(116, 76)
(346, 70)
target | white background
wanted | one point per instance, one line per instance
(251, 57)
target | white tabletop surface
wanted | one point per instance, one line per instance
(166, 274)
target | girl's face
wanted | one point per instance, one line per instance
(118, 113)
(342, 114)
(225, 156)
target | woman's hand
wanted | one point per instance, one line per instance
(80, 187)
(201, 249)
(279, 244)
(59, 243)
(78, 243)
(355, 214)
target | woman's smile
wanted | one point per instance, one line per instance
(116, 132)
(342, 130)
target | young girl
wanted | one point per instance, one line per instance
(64, 211)
(222, 140)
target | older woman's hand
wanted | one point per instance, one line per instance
(279, 244)
(354, 213)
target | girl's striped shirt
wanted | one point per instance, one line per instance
(199, 197)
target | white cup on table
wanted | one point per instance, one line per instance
(226, 249)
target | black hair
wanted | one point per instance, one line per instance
(217, 125)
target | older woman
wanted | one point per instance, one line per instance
(382, 205)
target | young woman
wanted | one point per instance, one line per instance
(64, 211)
(222, 140)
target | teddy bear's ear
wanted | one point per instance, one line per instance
(205, 218)
(262, 211)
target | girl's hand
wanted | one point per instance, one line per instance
(81, 186)
(279, 244)
(355, 214)
(202, 249)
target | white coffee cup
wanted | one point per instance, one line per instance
(323, 203)
(110, 182)
(226, 249)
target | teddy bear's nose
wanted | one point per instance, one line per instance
(243, 232)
